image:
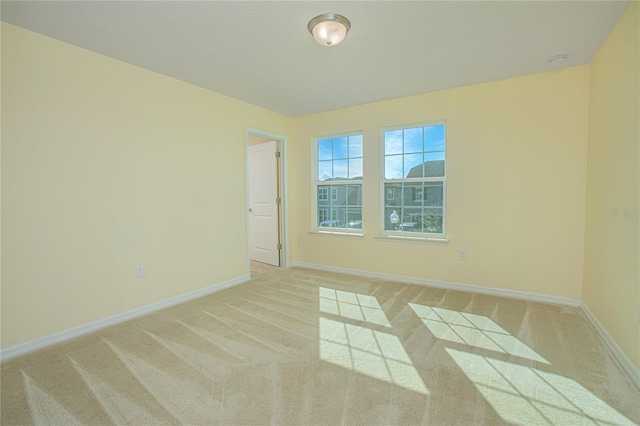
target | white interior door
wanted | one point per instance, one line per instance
(263, 207)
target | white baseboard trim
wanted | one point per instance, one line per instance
(618, 354)
(52, 339)
(469, 288)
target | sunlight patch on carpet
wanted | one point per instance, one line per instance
(473, 330)
(370, 352)
(360, 307)
(526, 395)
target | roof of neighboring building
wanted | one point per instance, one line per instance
(431, 169)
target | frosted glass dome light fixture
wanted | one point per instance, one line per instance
(329, 29)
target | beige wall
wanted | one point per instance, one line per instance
(106, 165)
(612, 257)
(516, 152)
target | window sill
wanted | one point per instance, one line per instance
(338, 234)
(440, 241)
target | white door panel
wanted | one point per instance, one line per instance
(263, 192)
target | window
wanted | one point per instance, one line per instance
(391, 194)
(414, 179)
(322, 194)
(338, 166)
(322, 215)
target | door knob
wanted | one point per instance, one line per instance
(250, 210)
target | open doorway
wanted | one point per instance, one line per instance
(266, 188)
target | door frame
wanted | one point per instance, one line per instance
(283, 222)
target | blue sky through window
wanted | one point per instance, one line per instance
(340, 158)
(434, 138)
(409, 148)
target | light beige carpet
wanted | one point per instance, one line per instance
(304, 347)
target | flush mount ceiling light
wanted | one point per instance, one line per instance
(329, 29)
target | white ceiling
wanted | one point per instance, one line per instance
(261, 52)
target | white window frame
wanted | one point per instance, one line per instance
(412, 236)
(315, 183)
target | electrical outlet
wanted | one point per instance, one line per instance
(139, 271)
(299, 240)
(462, 254)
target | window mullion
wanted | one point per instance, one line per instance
(417, 153)
(345, 154)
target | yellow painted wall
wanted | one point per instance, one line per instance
(104, 166)
(612, 257)
(516, 154)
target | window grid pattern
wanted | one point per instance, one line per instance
(414, 179)
(339, 181)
